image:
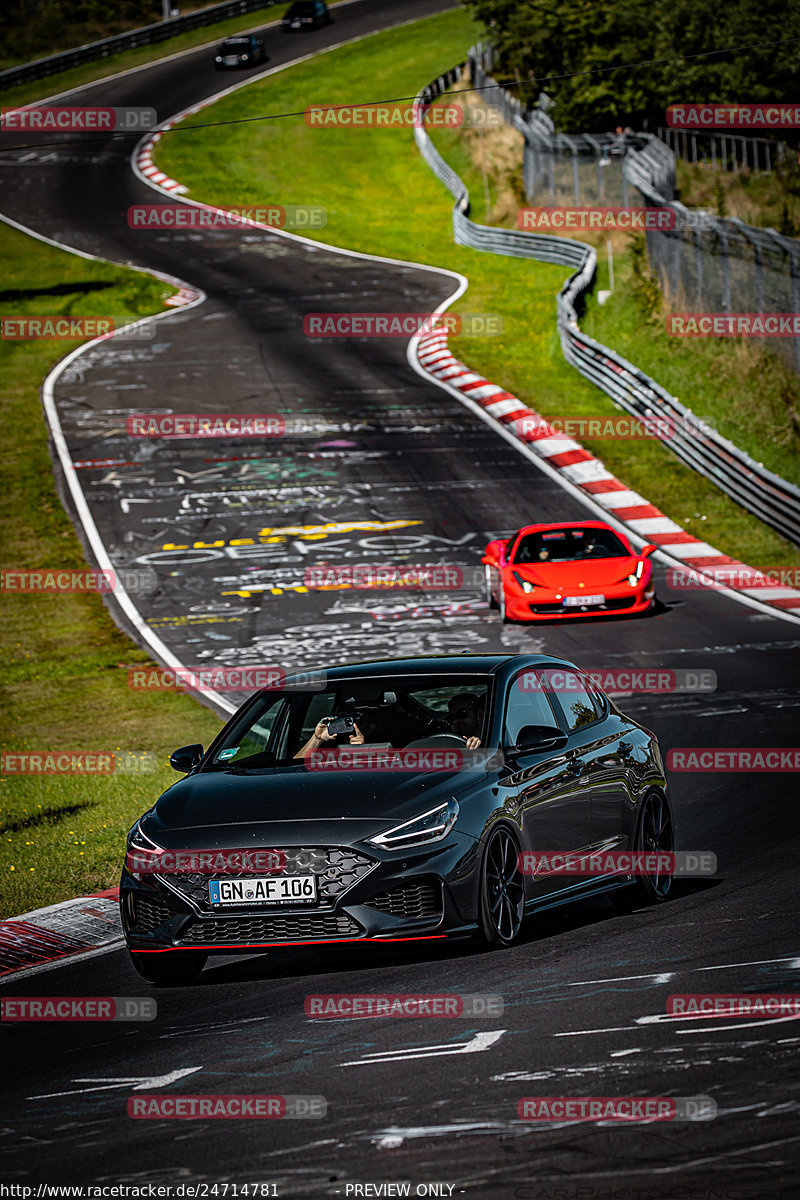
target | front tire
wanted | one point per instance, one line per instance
(170, 969)
(502, 891)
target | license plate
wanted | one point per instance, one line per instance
(281, 889)
(577, 601)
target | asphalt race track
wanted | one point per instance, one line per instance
(584, 991)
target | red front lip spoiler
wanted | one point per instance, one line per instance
(427, 937)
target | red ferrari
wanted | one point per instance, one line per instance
(545, 572)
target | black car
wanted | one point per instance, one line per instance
(305, 15)
(391, 801)
(245, 50)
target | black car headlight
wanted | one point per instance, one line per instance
(141, 853)
(431, 826)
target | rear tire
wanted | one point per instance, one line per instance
(170, 969)
(655, 832)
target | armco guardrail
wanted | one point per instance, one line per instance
(774, 500)
(146, 36)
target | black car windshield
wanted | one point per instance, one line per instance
(397, 711)
(241, 43)
(569, 545)
(305, 8)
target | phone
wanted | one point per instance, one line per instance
(339, 725)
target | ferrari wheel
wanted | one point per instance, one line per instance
(502, 891)
(487, 575)
(502, 603)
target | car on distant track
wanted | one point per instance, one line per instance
(244, 50)
(568, 569)
(388, 802)
(305, 15)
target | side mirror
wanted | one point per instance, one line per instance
(186, 759)
(532, 739)
(647, 550)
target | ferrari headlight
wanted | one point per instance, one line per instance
(637, 575)
(525, 584)
(432, 826)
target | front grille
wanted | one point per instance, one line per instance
(290, 928)
(336, 869)
(409, 900)
(609, 606)
(149, 914)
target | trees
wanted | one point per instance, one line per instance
(622, 62)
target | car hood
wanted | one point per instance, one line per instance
(590, 572)
(293, 806)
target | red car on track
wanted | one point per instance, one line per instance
(572, 569)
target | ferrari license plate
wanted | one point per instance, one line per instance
(281, 889)
(578, 601)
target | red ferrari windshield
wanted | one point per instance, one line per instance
(569, 545)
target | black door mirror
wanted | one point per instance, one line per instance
(533, 739)
(186, 759)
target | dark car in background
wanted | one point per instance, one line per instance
(404, 819)
(305, 15)
(244, 50)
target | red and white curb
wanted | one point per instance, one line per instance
(590, 474)
(75, 927)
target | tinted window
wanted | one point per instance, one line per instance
(569, 545)
(527, 704)
(575, 696)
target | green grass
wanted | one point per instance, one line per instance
(382, 198)
(63, 682)
(758, 197)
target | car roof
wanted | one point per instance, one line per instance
(440, 664)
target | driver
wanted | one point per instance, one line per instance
(321, 737)
(465, 719)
